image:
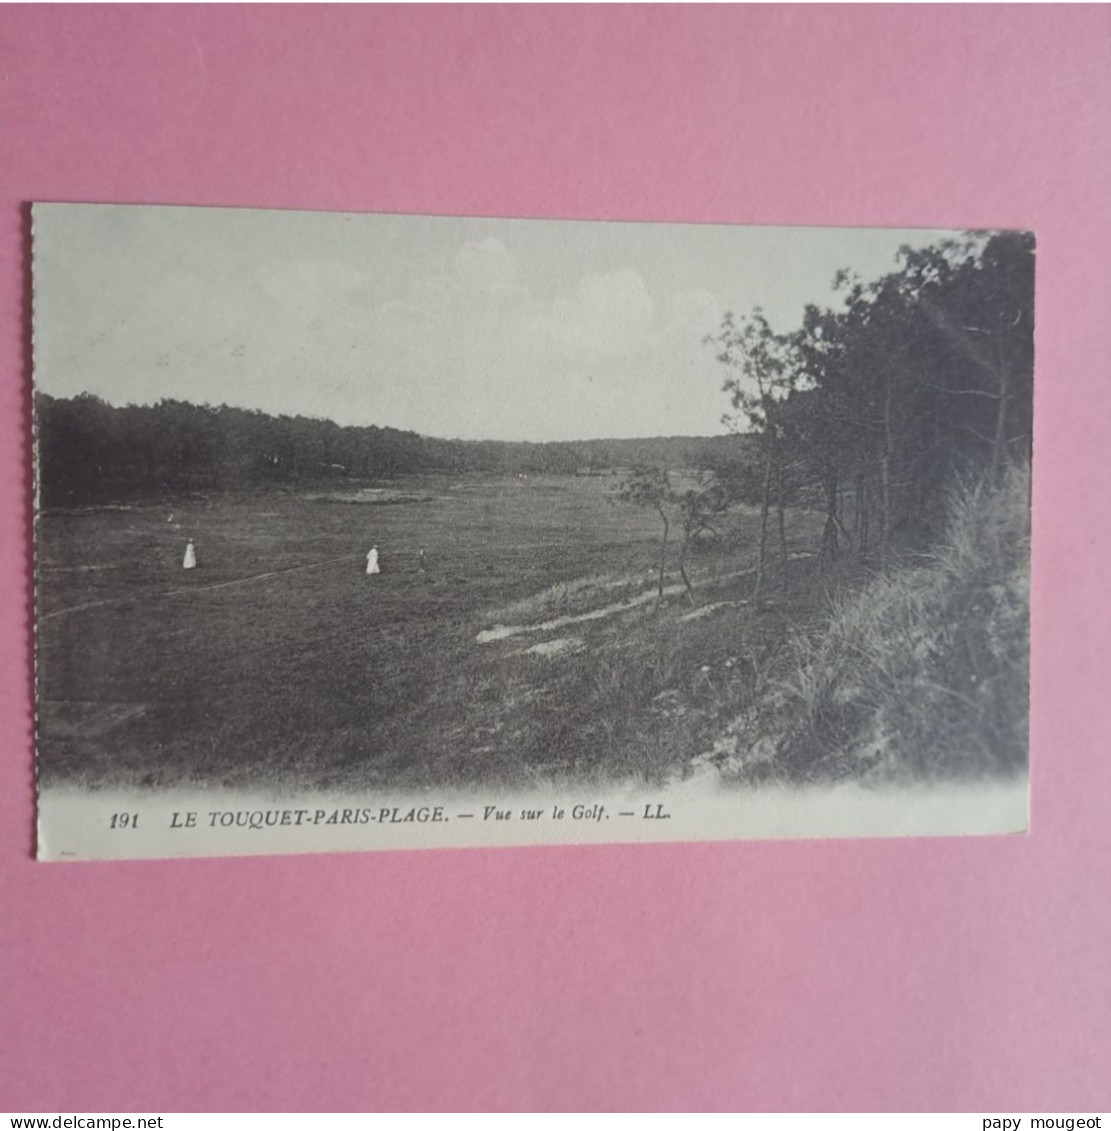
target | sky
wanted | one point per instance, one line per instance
(447, 326)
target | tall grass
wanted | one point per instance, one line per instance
(924, 672)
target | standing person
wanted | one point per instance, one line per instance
(372, 561)
(420, 562)
(190, 559)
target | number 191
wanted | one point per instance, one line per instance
(124, 821)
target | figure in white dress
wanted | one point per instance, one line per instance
(190, 559)
(372, 561)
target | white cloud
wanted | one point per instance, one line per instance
(485, 265)
(310, 285)
(609, 315)
(696, 311)
(480, 287)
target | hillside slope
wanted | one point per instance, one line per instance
(922, 673)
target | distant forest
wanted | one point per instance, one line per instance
(867, 412)
(91, 452)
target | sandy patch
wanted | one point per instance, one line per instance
(561, 646)
(706, 610)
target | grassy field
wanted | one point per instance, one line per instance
(526, 652)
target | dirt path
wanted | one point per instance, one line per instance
(504, 631)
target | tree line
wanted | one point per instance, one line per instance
(91, 452)
(865, 411)
(872, 411)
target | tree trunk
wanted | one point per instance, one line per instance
(782, 526)
(885, 471)
(663, 553)
(864, 513)
(999, 443)
(765, 508)
(683, 566)
(829, 533)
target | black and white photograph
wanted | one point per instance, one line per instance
(360, 532)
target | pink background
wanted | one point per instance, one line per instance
(866, 975)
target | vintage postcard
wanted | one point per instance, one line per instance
(360, 532)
